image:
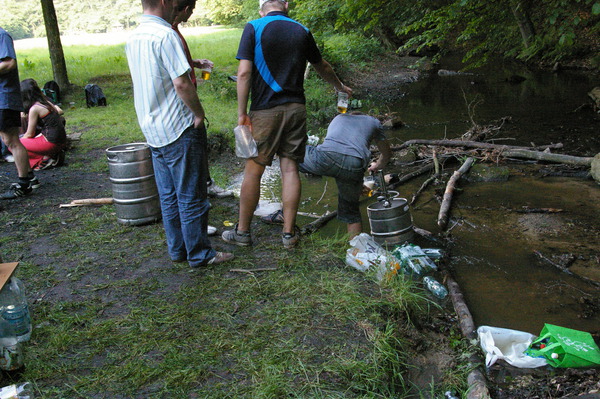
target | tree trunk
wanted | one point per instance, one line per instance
(523, 21)
(57, 57)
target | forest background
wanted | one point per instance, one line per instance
(541, 31)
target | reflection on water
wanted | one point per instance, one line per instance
(493, 256)
(504, 282)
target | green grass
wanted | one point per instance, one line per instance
(113, 317)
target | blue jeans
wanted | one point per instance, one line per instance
(4, 150)
(348, 172)
(180, 170)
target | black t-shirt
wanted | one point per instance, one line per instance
(279, 48)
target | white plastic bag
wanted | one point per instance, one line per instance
(265, 208)
(508, 345)
(365, 254)
(245, 146)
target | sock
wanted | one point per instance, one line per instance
(24, 182)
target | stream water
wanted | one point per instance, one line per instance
(494, 246)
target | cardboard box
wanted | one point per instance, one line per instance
(6, 271)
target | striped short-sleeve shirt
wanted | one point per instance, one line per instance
(156, 57)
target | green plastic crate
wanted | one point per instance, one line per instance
(565, 347)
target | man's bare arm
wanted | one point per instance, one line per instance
(187, 92)
(7, 65)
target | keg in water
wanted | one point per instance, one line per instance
(390, 221)
(134, 189)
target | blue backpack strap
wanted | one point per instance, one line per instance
(259, 57)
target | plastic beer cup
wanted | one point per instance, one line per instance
(342, 102)
(205, 73)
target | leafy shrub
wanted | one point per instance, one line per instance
(350, 48)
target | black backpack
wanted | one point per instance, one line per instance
(52, 91)
(94, 96)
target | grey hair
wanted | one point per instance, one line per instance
(280, 4)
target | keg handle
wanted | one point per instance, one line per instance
(386, 196)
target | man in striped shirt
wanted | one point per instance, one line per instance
(172, 119)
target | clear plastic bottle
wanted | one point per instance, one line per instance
(435, 287)
(11, 355)
(14, 308)
(414, 260)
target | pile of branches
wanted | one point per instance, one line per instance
(468, 148)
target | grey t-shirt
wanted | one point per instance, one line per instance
(352, 135)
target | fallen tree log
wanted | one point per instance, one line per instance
(547, 157)
(471, 144)
(566, 270)
(446, 202)
(87, 201)
(476, 378)
(434, 177)
(317, 224)
(93, 201)
(423, 186)
(411, 175)
(538, 210)
(465, 320)
(428, 235)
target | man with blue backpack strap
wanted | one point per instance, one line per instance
(273, 53)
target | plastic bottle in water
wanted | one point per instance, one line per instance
(11, 355)
(14, 309)
(435, 287)
(413, 259)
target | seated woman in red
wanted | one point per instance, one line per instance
(45, 137)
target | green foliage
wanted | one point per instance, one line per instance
(216, 12)
(73, 16)
(561, 29)
(350, 48)
(15, 20)
(482, 29)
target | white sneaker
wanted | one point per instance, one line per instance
(218, 192)
(212, 230)
(9, 158)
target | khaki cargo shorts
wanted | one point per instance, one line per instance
(281, 131)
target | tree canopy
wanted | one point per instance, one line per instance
(548, 30)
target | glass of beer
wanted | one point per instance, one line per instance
(342, 102)
(205, 73)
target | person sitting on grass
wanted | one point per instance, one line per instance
(45, 136)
